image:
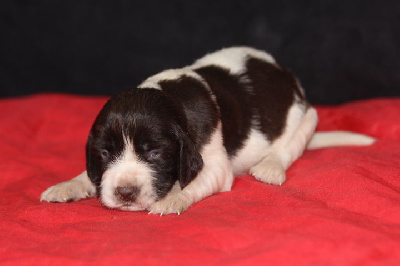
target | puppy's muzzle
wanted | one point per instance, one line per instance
(127, 193)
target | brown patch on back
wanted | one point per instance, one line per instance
(274, 93)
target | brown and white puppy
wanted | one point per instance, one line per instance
(183, 134)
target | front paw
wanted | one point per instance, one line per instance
(175, 204)
(71, 190)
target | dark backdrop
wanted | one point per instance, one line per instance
(341, 50)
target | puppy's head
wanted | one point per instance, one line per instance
(138, 148)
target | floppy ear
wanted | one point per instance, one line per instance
(190, 161)
(92, 167)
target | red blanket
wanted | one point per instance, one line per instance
(339, 205)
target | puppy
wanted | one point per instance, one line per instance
(183, 134)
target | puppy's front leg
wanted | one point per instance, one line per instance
(176, 201)
(217, 177)
(78, 188)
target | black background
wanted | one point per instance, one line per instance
(340, 50)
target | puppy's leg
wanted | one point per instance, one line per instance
(269, 170)
(288, 148)
(78, 188)
(216, 176)
(212, 179)
(176, 201)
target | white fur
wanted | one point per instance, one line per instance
(128, 171)
(75, 189)
(338, 138)
(232, 59)
(169, 74)
(288, 147)
(216, 176)
(300, 126)
(175, 74)
(254, 149)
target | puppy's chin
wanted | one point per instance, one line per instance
(126, 206)
(132, 208)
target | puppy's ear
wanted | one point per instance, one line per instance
(92, 166)
(190, 161)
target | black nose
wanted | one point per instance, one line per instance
(127, 193)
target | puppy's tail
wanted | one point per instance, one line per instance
(338, 138)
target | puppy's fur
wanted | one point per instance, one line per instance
(183, 134)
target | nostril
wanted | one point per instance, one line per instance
(127, 193)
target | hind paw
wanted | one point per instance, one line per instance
(269, 171)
